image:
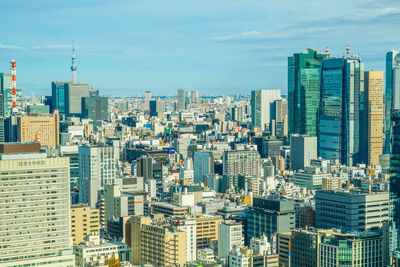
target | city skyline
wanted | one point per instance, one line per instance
(217, 48)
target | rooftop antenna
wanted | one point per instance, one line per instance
(327, 52)
(73, 66)
(348, 50)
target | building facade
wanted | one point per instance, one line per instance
(85, 221)
(261, 107)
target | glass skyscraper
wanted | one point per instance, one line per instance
(304, 72)
(341, 109)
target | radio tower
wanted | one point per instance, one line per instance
(73, 67)
(348, 51)
(14, 85)
(327, 52)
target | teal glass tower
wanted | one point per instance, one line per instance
(304, 72)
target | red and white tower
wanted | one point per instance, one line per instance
(327, 52)
(14, 85)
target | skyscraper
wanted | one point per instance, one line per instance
(303, 149)
(67, 97)
(394, 68)
(392, 62)
(342, 96)
(374, 117)
(147, 98)
(181, 99)
(34, 209)
(304, 74)
(261, 107)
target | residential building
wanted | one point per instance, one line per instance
(45, 130)
(244, 162)
(188, 225)
(157, 243)
(304, 79)
(206, 230)
(85, 221)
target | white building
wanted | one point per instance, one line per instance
(34, 211)
(229, 235)
(189, 226)
(238, 259)
(97, 168)
(151, 188)
(95, 252)
(261, 107)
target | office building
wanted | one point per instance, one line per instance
(96, 168)
(237, 113)
(311, 178)
(261, 101)
(67, 97)
(353, 250)
(195, 97)
(72, 153)
(304, 76)
(284, 248)
(45, 130)
(303, 149)
(229, 236)
(95, 107)
(203, 165)
(373, 132)
(38, 109)
(157, 108)
(279, 118)
(392, 86)
(341, 113)
(7, 96)
(244, 162)
(34, 232)
(85, 221)
(269, 216)
(271, 147)
(181, 100)
(157, 243)
(189, 227)
(351, 211)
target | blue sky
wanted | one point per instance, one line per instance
(215, 46)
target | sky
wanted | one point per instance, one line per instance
(125, 47)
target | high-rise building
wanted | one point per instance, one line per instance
(144, 167)
(189, 227)
(181, 100)
(342, 89)
(147, 98)
(304, 75)
(206, 230)
(261, 107)
(6, 91)
(203, 165)
(84, 221)
(95, 107)
(67, 97)
(374, 110)
(351, 211)
(392, 86)
(96, 168)
(279, 118)
(229, 236)
(45, 130)
(34, 210)
(270, 216)
(157, 108)
(244, 162)
(303, 149)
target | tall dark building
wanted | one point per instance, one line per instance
(95, 107)
(144, 168)
(341, 109)
(157, 107)
(67, 97)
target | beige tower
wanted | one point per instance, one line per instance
(374, 114)
(46, 129)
